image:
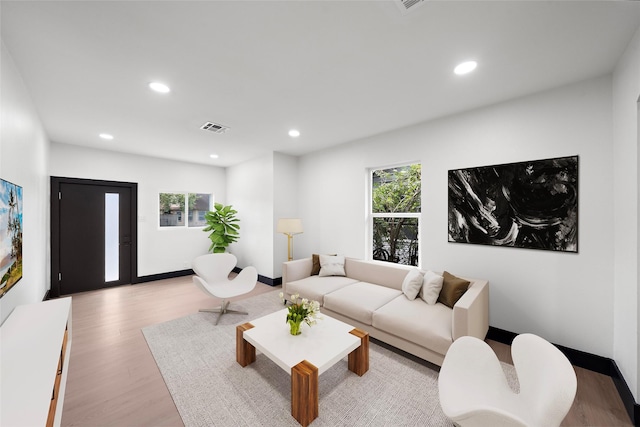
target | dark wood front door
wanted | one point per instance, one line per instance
(93, 235)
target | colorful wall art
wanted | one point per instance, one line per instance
(531, 205)
(10, 235)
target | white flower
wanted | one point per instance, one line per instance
(303, 309)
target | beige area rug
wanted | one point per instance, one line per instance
(209, 388)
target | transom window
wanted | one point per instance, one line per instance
(395, 202)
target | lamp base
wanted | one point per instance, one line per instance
(290, 247)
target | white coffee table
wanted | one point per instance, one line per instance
(303, 356)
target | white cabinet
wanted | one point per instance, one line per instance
(35, 344)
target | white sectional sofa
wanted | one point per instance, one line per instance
(370, 297)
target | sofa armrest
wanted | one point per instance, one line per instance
(471, 312)
(295, 270)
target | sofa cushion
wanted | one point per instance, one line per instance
(412, 283)
(416, 321)
(315, 287)
(331, 265)
(452, 289)
(359, 300)
(378, 272)
(431, 287)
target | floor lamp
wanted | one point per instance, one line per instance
(289, 226)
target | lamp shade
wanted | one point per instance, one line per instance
(289, 226)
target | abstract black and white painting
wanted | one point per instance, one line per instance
(530, 205)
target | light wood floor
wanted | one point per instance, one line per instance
(114, 381)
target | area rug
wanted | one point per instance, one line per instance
(198, 363)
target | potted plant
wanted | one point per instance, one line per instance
(224, 227)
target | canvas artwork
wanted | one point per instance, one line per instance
(10, 235)
(530, 205)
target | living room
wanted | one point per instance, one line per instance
(586, 301)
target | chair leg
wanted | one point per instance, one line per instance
(223, 309)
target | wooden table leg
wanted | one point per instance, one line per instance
(304, 392)
(359, 358)
(245, 352)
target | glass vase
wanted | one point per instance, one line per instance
(294, 327)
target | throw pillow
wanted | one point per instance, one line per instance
(452, 289)
(431, 287)
(331, 265)
(315, 268)
(315, 264)
(412, 283)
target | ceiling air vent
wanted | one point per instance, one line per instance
(214, 127)
(406, 6)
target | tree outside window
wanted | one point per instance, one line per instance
(395, 214)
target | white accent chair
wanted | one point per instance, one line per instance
(212, 277)
(474, 390)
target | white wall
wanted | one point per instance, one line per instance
(626, 190)
(159, 250)
(565, 297)
(285, 190)
(24, 150)
(263, 190)
(250, 190)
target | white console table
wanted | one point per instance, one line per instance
(35, 344)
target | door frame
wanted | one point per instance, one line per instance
(55, 225)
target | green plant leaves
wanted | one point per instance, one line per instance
(223, 227)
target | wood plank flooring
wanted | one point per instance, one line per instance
(113, 379)
(597, 401)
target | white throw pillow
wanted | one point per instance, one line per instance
(331, 265)
(412, 283)
(431, 287)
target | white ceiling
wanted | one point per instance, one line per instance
(335, 70)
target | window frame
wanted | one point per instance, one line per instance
(370, 215)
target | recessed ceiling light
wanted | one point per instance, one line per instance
(294, 133)
(214, 156)
(106, 136)
(465, 67)
(159, 87)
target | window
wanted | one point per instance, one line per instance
(171, 210)
(199, 204)
(176, 207)
(395, 214)
(111, 237)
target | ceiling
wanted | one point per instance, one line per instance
(335, 70)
